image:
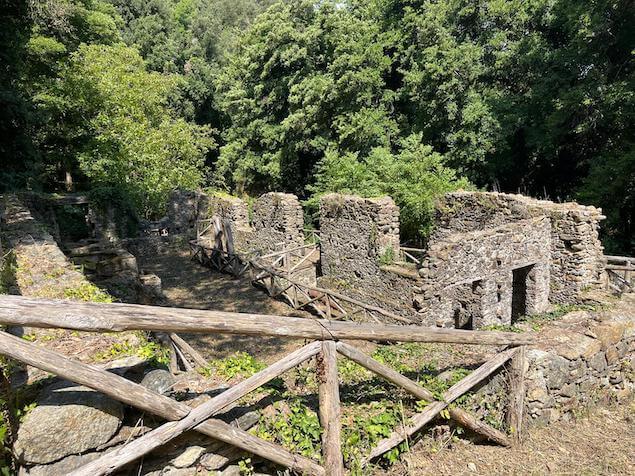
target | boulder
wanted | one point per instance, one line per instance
(572, 346)
(60, 468)
(188, 457)
(159, 381)
(67, 420)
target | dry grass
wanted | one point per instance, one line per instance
(601, 442)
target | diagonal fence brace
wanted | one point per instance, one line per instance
(140, 397)
(110, 462)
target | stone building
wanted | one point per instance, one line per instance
(492, 258)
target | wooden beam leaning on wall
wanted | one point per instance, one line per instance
(100, 317)
(110, 462)
(140, 397)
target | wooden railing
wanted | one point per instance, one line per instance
(327, 336)
(280, 282)
(280, 273)
(620, 272)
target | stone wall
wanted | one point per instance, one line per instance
(355, 233)
(276, 220)
(586, 356)
(183, 211)
(359, 237)
(486, 277)
(576, 251)
(41, 268)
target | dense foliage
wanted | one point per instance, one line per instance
(368, 96)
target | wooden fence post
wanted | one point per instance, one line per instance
(329, 396)
(517, 393)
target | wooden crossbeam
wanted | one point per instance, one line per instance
(116, 317)
(110, 462)
(421, 419)
(461, 416)
(137, 396)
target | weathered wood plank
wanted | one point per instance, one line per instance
(329, 397)
(110, 462)
(517, 393)
(196, 356)
(140, 397)
(100, 317)
(421, 419)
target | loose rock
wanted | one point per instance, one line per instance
(67, 420)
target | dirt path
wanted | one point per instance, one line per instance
(601, 442)
(188, 284)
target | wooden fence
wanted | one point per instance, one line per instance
(326, 336)
(620, 273)
(281, 274)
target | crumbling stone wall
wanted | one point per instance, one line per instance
(183, 211)
(355, 233)
(277, 221)
(359, 237)
(576, 251)
(467, 278)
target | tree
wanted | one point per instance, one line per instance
(414, 177)
(125, 132)
(307, 78)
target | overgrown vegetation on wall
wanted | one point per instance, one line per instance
(380, 96)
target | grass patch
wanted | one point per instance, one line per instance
(87, 292)
(146, 349)
(8, 268)
(536, 321)
(241, 364)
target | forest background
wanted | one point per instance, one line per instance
(129, 100)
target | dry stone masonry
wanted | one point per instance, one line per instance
(492, 258)
(358, 238)
(276, 220)
(576, 260)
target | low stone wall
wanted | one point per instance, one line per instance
(583, 357)
(41, 269)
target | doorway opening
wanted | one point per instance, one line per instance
(519, 291)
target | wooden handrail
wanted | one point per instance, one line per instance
(106, 317)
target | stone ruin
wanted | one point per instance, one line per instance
(492, 257)
(272, 222)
